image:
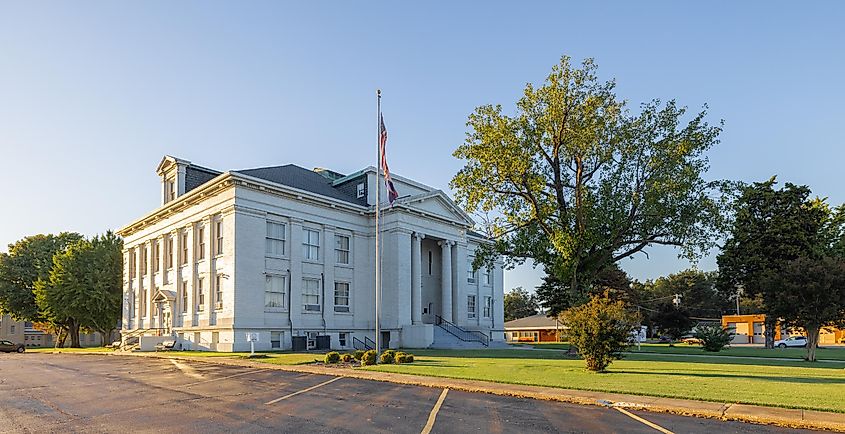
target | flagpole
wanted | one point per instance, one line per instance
(378, 211)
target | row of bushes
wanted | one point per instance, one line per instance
(369, 357)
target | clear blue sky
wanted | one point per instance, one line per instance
(93, 94)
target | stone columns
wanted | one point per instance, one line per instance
(446, 280)
(416, 278)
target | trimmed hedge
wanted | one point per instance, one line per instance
(346, 358)
(369, 358)
(358, 354)
(404, 358)
(332, 357)
(388, 357)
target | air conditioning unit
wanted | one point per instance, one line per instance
(312, 307)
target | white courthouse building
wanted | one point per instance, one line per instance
(288, 254)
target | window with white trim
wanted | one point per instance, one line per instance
(200, 295)
(143, 254)
(200, 243)
(218, 292)
(276, 339)
(470, 272)
(341, 296)
(487, 276)
(132, 266)
(275, 242)
(184, 296)
(274, 291)
(311, 295)
(470, 306)
(218, 230)
(341, 247)
(156, 256)
(341, 339)
(169, 253)
(310, 244)
(184, 249)
(488, 306)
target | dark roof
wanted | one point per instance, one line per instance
(304, 179)
(196, 176)
(533, 321)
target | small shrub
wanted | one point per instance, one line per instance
(398, 357)
(600, 330)
(388, 357)
(369, 358)
(346, 358)
(713, 337)
(332, 357)
(358, 354)
(404, 358)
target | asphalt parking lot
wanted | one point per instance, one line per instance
(87, 393)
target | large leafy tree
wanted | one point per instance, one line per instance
(812, 295)
(27, 261)
(577, 183)
(84, 286)
(697, 291)
(771, 228)
(519, 303)
(555, 296)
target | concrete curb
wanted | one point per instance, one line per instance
(792, 418)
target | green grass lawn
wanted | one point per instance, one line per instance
(681, 348)
(274, 357)
(792, 384)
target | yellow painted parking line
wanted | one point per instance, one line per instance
(639, 419)
(433, 415)
(225, 378)
(303, 391)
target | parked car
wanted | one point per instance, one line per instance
(792, 341)
(664, 339)
(9, 347)
(691, 340)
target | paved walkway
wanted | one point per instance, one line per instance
(739, 412)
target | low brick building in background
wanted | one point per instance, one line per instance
(535, 328)
(750, 329)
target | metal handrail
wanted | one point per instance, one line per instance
(359, 344)
(460, 333)
(371, 344)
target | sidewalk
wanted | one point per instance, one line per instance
(740, 412)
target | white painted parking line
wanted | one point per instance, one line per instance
(225, 378)
(303, 391)
(639, 419)
(433, 415)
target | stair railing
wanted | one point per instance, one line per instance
(460, 333)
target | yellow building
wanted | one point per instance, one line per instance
(750, 329)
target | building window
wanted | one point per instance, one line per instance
(310, 244)
(200, 295)
(169, 253)
(171, 190)
(341, 339)
(360, 190)
(274, 291)
(201, 243)
(341, 297)
(488, 306)
(341, 246)
(311, 295)
(132, 268)
(429, 262)
(218, 292)
(276, 339)
(144, 261)
(470, 272)
(184, 249)
(487, 276)
(219, 232)
(470, 306)
(12, 329)
(156, 257)
(275, 239)
(142, 303)
(184, 296)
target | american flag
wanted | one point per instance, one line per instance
(392, 195)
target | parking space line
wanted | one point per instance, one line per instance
(225, 378)
(639, 419)
(186, 369)
(433, 415)
(302, 391)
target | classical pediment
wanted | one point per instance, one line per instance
(438, 204)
